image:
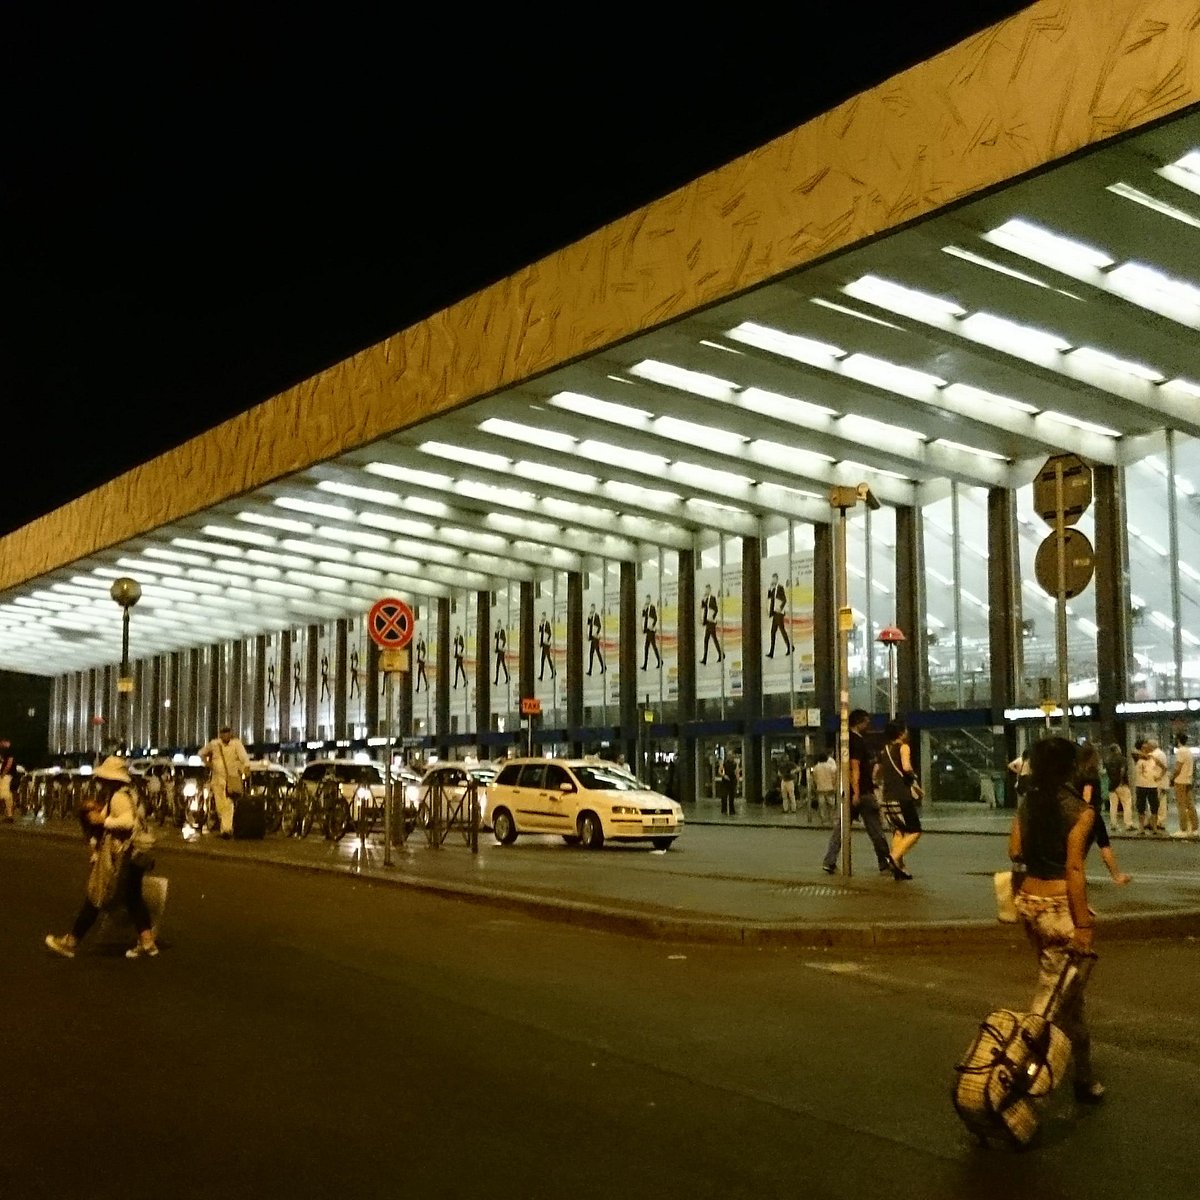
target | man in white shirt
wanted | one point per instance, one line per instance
(1182, 776)
(1149, 774)
(824, 781)
(226, 758)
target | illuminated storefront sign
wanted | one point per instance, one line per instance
(1083, 712)
(1132, 708)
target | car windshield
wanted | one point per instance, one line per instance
(603, 778)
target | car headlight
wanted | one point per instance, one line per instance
(412, 793)
(189, 790)
(363, 795)
(625, 810)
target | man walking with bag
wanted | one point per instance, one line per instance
(226, 758)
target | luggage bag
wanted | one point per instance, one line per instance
(249, 817)
(1006, 1076)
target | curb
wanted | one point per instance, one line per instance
(662, 926)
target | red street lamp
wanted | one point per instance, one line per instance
(891, 636)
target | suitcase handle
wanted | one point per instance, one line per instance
(1070, 982)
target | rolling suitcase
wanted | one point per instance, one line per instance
(249, 817)
(1015, 1062)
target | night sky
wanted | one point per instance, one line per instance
(198, 213)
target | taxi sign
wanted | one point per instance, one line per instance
(531, 706)
(390, 623)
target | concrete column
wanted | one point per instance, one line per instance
(627, 651)
(191, 733)
(442, 698)
(217, 716)
(1111, 582)
(312, 680)
(825, 648)
(237, 690)
(158, 670)
(404, 699)
(752, 652)
(575, 659)
(687, 773)
(912, 659)
(525, 651)
(283, 686)
(258, 704)
(341, 672)
(372, 690)
(1004, 603)
(483, 660)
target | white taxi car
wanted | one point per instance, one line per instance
(452, 777)
(587, 801)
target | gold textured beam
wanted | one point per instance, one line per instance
(1060, 76)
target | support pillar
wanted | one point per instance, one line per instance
(753, 765)
(526, 680)
(283, 685)
(687, 773)
(627, 663)
(575, 660)
(441, 697)
(312, 681)
(258, 704)
(825, 645)
(912, 681)
(341, 674)
(1111, 582)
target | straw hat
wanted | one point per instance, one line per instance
(112, 768)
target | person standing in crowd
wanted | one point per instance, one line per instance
(500, 642)
(595, 630)
(115, 815)
(824, 781)
(900, 794)
(709, 608)
(1182, 774)
(787, 783)
(8, 776)
(862, 799)
(460, 649)
(1149, 772)
(1120, 795)
(777, 611)
(227, 760)
(1087, 780)
(650, 634)
(1048, 842)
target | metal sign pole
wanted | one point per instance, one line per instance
(1060, 536)
(390, 688)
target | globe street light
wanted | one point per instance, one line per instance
(126, 592)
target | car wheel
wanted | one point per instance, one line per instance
(591, 832)
(663, 843)
(503, 827)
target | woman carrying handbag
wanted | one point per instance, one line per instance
(116, 871)
(900, 795)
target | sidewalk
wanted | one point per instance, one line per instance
(738, 880)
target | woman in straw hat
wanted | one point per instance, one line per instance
(114, 816)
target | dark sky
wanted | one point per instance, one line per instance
(198, 213)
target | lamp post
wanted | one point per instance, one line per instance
(891, 637)
(126, 592)
(843, 498)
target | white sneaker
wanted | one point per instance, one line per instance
(60, 945)
(142, 951)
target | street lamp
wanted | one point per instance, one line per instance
(126, 592)
(891, 637)
(842, 498)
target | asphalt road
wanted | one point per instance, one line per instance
(309, 1035)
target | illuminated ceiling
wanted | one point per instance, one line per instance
(1057, 314)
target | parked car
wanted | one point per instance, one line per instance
(362, 784)
(587, 801)
(453, 777)
(261, 774)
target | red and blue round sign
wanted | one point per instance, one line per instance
(390, 623)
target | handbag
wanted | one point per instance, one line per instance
(1007, 884)
(914, 789)
(104, 879)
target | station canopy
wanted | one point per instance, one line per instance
(1057, 314)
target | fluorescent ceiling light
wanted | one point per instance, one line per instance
(331, 512)
(428, 479)
(491, 494)
(1110, 362)
(529, 434)
(388, 562)
(1184, 172)
(622, 456)
(796, 455)
(699, 383)
(222, 548)
(1126, 192)
(1183, 385)
(786, 408)
(862, 429)
(1090, 426)
(903, 300)
(632, 493)
(1138, 280)
(714, 480)
(1009, 335)
(155, 568)
(889, 375)
(400, 525)
(1045, 246)
(284, 523)
(353, 537)
(251, 570)
(316, 549)
(979, 260)
(719, 506)
(852, 312)
(719, 346)
(695, 434)
(971, 449)
(786, 345)
(279, 560)
(197, 560)
(238, 535)
(318, 582)
(965, 392)
(561, 476)
(1162, 620)
(354, 492)
(850, 465)
(1190, 571)
(603, 410)
(467, 457)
